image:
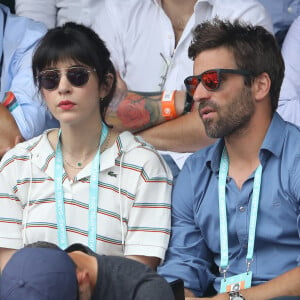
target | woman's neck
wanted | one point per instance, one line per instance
(78, 145)
(80, 140)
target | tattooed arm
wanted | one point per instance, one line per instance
(140, 113)
(137, 111)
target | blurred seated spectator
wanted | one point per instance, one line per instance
(42, 271)
(57, 12)
(289, 101)
(148, 41)
(283, 13)
(22, 114)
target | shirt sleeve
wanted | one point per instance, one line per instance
(188, 256)
(295, 193)
(150, 216)
(11, 213)
(29, 112)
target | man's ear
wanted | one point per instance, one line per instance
(106, 85)
(261, 86)
(83, 279)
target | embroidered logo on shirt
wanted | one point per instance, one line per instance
(111, 173)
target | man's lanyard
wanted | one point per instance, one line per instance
(93, 196)
(224, 165)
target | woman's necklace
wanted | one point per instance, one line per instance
(81, 164)
(78, 166)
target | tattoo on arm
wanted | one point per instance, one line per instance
(135, 112)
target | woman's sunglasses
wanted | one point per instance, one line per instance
(211, 79)
(77, 76)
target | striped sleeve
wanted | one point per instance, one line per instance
(11, 212)
(150, 217)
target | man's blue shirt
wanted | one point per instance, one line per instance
(195, 241)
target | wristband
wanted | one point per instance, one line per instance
(168, 105)
(188, 105)
(10, 101)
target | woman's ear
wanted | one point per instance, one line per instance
(261, 86)
(106, 85)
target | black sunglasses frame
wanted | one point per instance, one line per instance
(56, 76)
(219, 73)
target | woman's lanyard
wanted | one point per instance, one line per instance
(224, 165)
(93, 195)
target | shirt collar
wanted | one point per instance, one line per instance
(275, 137)
(272, 144)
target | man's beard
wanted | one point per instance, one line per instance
(233, 117)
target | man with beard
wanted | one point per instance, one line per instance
(236, 204)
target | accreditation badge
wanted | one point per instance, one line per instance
(236, 283)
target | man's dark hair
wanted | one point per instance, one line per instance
(253, 47)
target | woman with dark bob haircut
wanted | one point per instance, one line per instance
(83, 182)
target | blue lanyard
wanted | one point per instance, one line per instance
(93, 196)
(224, 165)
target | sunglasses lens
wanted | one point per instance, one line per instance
(78, 76)
(49, 80)
(210, 80)
(191, 84)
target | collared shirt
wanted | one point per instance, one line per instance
(57, 12)
(289, 101)
(195, 241)
(134, 186)
(282, 12)
(141, 40)
(20, 38)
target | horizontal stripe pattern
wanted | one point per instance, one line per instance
(144, 198)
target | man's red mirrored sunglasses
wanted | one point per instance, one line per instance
(211, 79)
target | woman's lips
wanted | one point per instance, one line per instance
(66, 104)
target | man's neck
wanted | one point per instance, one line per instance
(243, 150)
(179, 12)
